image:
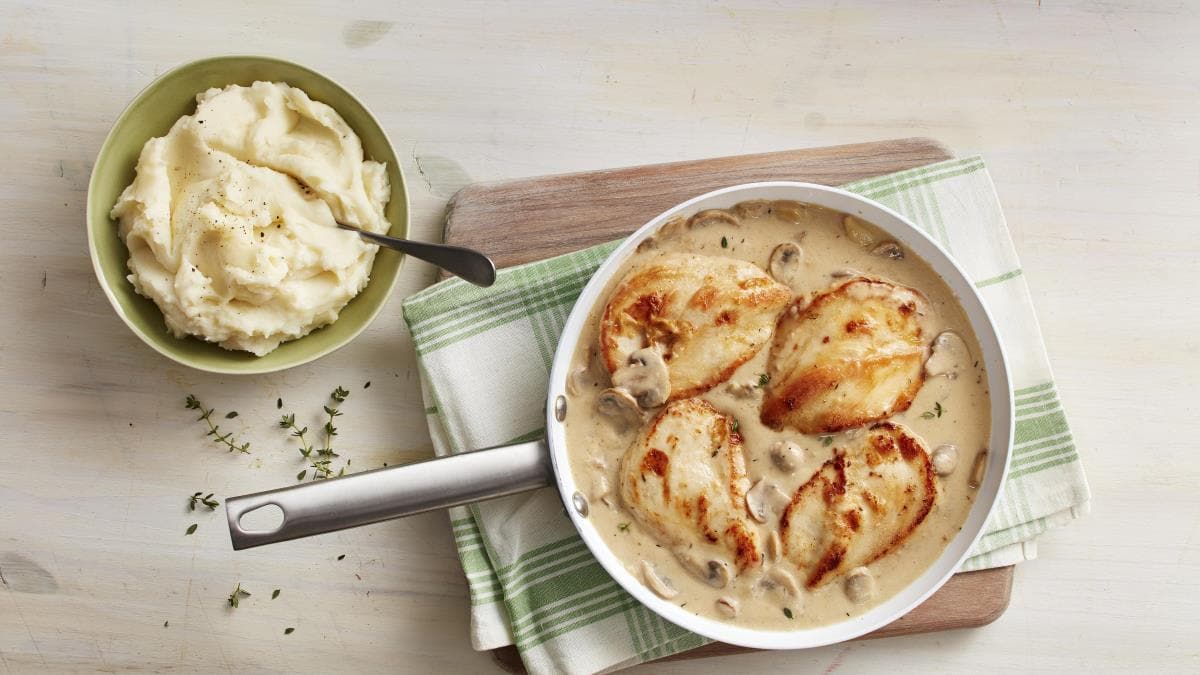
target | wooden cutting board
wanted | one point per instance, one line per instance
(518, 221)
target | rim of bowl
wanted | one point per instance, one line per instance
(251, 370)
(929, 580)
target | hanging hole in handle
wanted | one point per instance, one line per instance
(262, 520)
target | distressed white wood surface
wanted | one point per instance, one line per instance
(1083, 110)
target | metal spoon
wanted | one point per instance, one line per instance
(467, 263)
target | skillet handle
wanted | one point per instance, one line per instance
(393, 492)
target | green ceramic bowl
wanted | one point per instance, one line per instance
(151, 114)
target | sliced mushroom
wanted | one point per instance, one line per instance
(727, 606)
(647, 244)
(602, 490)
(950, 355)
(712, 217)
(890, 250)
(756, 501)
(661, 587)
(857, 231)
(579, 380)
(784, 579)
(944, 459)
(668, 230)
(775, 546)
(860, 585)
(755, 208)
(619, 404)
(786, 455)
(645, 377)
(846, 272)
(785, 263)
(790, 211)
(713, 571)
(978, 469)
(718, 574)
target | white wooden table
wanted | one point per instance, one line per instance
(1085, 113)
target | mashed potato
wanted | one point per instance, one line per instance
(230, 222)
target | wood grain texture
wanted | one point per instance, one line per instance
(517, 221)
(968, 600)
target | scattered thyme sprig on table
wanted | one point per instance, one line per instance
(321, 467)
(236, 596)
(214, 430)
(205, 499)
(289, 422)
(322, 458)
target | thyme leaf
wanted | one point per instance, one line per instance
(236, 596)
(205, 499)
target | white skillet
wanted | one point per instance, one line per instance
(369, 497)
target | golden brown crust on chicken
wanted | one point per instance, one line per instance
(852, 356)
(707, 315)
(860, 505)
(684, 479)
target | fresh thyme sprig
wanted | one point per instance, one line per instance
(289, 422)
(236, 596)
(330, 431)
(322, 458)
(205, 499)
(322, 467)
(214, 430)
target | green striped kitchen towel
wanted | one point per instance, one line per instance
(485, 356)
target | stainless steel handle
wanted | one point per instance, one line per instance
(393, 492)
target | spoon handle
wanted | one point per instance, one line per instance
(467, 263)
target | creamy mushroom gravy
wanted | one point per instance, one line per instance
(946, 411)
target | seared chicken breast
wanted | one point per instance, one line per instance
(705, 315)
(684, 479)
(852, 356)
(860, 505)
